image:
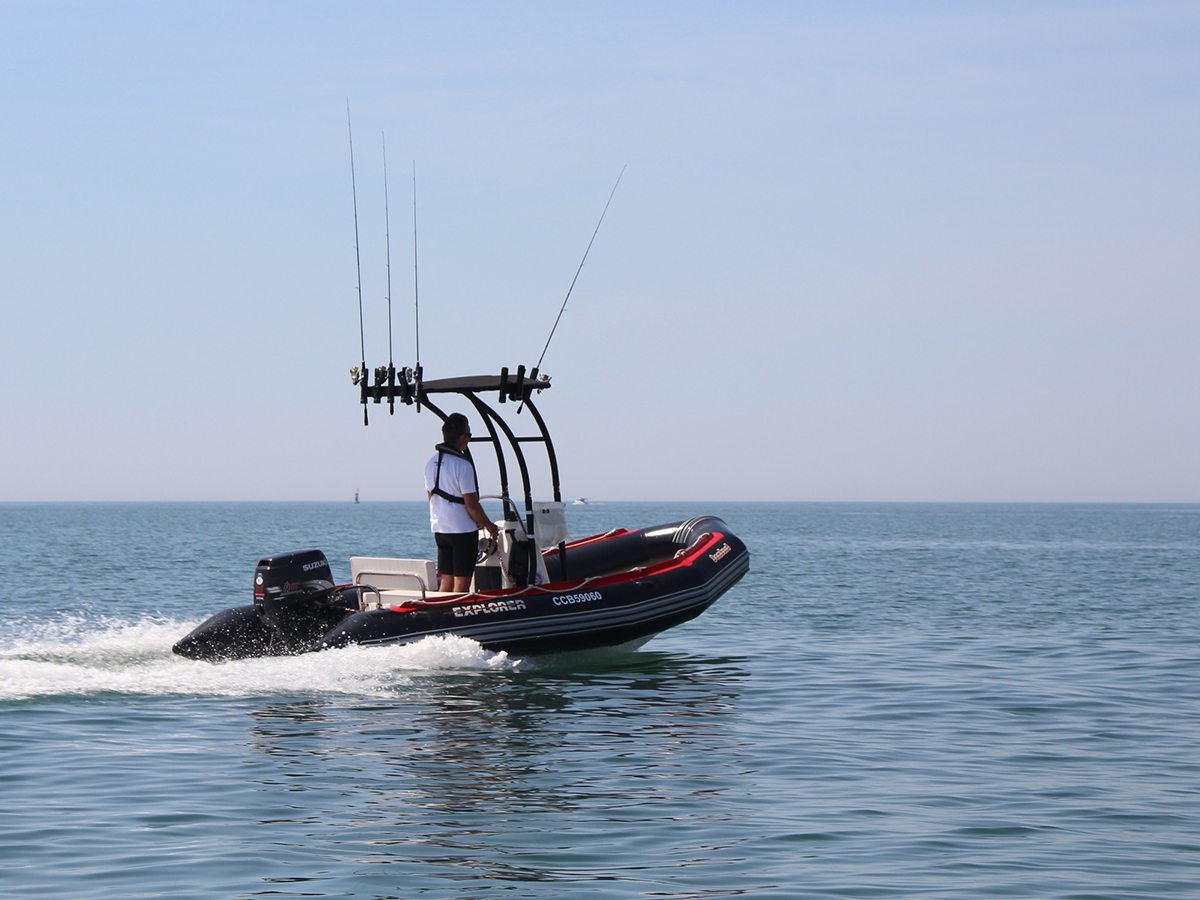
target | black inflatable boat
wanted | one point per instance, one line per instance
(534, 590)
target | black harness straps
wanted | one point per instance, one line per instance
(442, 450)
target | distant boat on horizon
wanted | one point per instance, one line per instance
(580, 501)
(356, 496)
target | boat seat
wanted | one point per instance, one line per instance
(391, 574)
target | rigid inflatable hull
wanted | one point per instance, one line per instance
(593, 609)
(572, 615)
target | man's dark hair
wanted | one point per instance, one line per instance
(455, 426)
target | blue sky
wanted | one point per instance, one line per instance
(861, 251)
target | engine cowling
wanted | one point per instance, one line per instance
(294, 595)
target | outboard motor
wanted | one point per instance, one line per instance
(294, 597)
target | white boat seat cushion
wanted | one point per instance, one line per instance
(390, 574)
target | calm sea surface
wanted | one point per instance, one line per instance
(933, 701)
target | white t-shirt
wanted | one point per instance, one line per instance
(457, 478)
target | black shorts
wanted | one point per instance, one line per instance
(457, 553)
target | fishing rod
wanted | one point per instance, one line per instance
(577, 271)
(416, 292)
(533, 374)
(387, 232)
(358, 264)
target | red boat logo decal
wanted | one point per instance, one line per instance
(722, 552)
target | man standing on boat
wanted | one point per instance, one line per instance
(455, 515)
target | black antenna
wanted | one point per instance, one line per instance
(387, 232)
(577, 271)
(416, 291)
(387, 236)
(362, 343)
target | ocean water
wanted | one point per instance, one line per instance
(933, 701)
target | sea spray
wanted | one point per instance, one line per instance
(74, 657)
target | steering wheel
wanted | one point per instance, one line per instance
(487, 546)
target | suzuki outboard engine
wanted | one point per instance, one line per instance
(295, 598)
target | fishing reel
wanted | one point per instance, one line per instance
(382, 372)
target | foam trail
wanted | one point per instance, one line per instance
(136, 658)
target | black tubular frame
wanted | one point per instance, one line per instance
(518, 389)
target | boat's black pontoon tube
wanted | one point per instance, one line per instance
(686, 567)
(631, 585)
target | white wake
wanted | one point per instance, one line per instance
(85, 658)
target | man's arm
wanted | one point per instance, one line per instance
(475, 511)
